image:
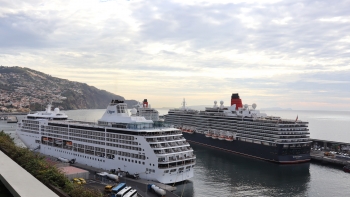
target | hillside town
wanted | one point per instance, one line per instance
(20, 92)
(23, 90)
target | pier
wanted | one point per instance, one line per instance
(320, 147)
(2, 114)
(330, 145)
(139, 184)
(319, 156)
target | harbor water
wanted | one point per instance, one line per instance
(220, 173)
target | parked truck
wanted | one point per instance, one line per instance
(155, 189)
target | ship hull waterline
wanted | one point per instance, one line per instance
(257, 151)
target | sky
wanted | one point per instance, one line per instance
(289, 54)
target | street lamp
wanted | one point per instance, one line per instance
(146, 183)
(124, 174)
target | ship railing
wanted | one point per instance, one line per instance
(173, 165)
(151, 140)
(177, 159)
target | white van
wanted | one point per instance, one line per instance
(123, 192)
(131, 193)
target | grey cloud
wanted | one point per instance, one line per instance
(72, 42)
(303, 32)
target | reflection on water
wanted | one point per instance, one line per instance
(219, 173)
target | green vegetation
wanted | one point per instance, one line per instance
(44, 171)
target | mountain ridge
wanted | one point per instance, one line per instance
(24, 89)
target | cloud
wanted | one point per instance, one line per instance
(273, 51)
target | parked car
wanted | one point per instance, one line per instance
(82, 180)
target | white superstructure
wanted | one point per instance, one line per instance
(146, 111)
(118, 140)
(56, 114)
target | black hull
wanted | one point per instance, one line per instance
(259, 151)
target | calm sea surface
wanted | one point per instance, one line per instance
(223, 174)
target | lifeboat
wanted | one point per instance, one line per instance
(45, 139)
(229, 138)
(214, 136)
(58, 141)
(221, 137)
(69, 143)
(208, 134)
(50, 140)
(190, 131)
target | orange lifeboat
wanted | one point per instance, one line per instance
(208, 134)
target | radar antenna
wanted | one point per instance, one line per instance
(184, 103)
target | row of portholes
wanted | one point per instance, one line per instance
(78, 155)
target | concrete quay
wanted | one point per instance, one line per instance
(139, 184)
(12, 113)
(319, 156)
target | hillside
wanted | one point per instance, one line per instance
(24, 88)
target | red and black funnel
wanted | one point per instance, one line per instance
(145, 103)
(236, 100)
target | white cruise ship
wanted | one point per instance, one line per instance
(119, 140)
(146, 111)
